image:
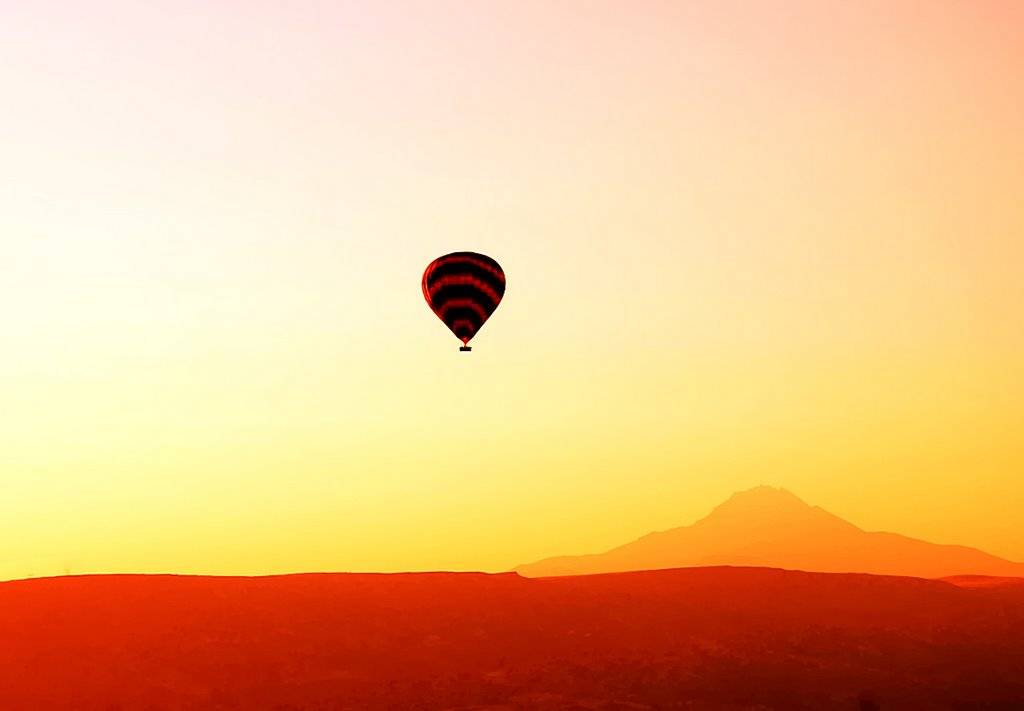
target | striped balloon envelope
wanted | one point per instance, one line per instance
(463, 289)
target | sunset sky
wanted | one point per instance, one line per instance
(745, 243)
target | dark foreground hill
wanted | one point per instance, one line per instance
(701, 638)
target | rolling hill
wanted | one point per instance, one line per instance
(697, 639)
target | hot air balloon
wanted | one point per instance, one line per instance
(463, 289)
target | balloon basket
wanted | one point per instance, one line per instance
(465, 348)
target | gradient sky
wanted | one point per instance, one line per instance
(746, 243)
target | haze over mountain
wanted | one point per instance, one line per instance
(771, 527)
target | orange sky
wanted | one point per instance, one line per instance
(744, 245)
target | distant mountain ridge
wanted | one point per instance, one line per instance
(771, 527)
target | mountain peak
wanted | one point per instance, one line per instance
(763, 493)
(772, 527)
(762, 503)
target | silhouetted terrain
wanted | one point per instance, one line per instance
(700, 638)
(773, 528)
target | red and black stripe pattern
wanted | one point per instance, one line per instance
(463, 289)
